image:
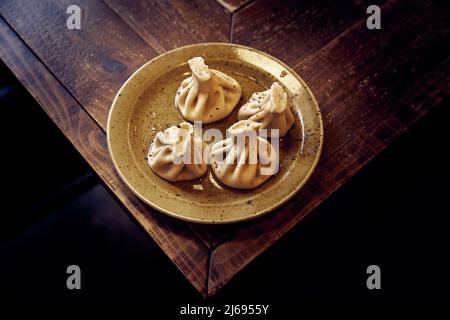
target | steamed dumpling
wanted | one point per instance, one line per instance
(176, 154)
(270, 109)
(243, 160)
(207, 95)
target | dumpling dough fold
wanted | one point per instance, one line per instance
(176, 154)
(207, 95)
(244, 160)
(270, 109)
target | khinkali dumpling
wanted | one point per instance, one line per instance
(176, 154)
(207, 95)
(270, 109)
(243, 160)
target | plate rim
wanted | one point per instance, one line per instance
(231, 221)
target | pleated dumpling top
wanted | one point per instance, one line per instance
(270, 108)
(207, 95)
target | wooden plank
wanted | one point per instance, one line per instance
(379, 66)
(166, 25)
(371, 86)
(233, 5)
(188, 253)
(292, 30)
(93, 62)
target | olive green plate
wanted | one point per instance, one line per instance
(145, 105)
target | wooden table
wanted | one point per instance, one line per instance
(371, 86)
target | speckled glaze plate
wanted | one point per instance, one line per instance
(145, 105)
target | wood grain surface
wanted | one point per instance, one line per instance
(371, 86)
(166, 25)
(292, 30)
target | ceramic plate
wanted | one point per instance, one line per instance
(145, 105)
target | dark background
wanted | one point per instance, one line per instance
(56, 212)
